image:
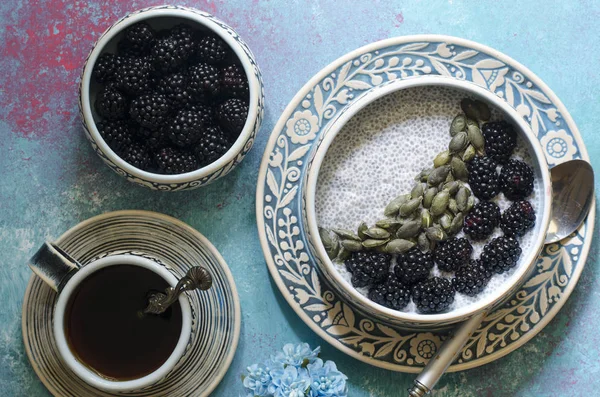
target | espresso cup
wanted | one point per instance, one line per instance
(65, 275)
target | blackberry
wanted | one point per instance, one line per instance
(471, 278)
(106, 67)
(206, 113)
(211, 145)
(212, 49)
(204, 81)
(368, 267)
(176, 89)
(453, 254)
(232, 115)
(175, 161)
(501, 254)
(234, 82)
(111, 104)
(133, 76)
(518, 218)
(413, 266)
(516, 180)
(116, 133)
(483, 177)
(138, 38)
(185, 128)
(500, 140)
(149, 110)
(154, 139)
(391, 293)
(136, 154)
(433, 295)
(184, 37)
(168, 55)
(481, 220)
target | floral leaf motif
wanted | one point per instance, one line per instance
(358, 84)
(385, 349)
(367, 348)
(272, 183)
(301, 295)
(481, 343)
(376, 79)
(342, 96)
(440, 68)
(316, 307)
(488, 63)
(535, 125)
(388, 331)
(271, 237)
(414, 47)
(393, 61)
(349, 316)
(344, 71)
(543, 301)
(568, 265)
(538, 279)
(338, 330)
(509, 94)
(465, 55)
(537, 95)
(316, 284)
(290, 277)
(352, 340)
(479, 79)
(298, 153)
(318, 96)
(288, 197)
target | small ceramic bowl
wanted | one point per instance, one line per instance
(164, 17)
(527, 260)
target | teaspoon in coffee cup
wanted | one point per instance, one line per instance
(572, 197)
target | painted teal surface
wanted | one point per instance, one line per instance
(50, 179)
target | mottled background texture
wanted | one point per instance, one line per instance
(50, 179)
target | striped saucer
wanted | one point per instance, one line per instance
(216, 312)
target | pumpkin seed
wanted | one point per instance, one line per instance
(389, 224)
(461, 198)
(417, 190)
(470, 204)
(428, 196)
(372, 243)
(435, 233)
(423, 175)
(469, 154)
(446, 221)
(457, 223)
(451, 187)
(458, 142)
(475, 137)
(440, 203)
(343, 254)
(483, 110)
(458, 124)
(410, 206)
(423, 242)
(352, 245)
(442, 158)
(333, 251)
(346, 234)
(326, 238)
(438, 175)
(426, 218)
(470, 108)
(459, 169)
(398, 246)
(392, 208)
(409, 229)
(453, 206)
(377, 233)
(361, 230)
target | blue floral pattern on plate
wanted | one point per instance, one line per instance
(281, 180)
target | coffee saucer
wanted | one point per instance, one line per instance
(216, 312)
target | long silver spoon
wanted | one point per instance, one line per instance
(572, 197)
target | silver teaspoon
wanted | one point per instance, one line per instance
(572, 197)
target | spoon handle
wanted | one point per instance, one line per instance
(440, 362)
(196, 277)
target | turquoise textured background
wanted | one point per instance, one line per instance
(50, 179)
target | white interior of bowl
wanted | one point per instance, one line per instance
(526, 137)
(164, 19)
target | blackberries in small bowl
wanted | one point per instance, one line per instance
(171, 98)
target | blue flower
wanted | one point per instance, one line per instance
(257, 378)
(299, 356)
(289, 382)
(326, 380)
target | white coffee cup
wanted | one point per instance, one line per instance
(64, 275)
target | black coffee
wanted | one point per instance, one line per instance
(105, 331)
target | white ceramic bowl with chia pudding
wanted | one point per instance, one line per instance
(370, 155)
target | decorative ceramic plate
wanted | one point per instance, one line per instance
(216, 312)
(280, 188)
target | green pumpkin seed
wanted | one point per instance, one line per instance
(423, 175)
(334, 250)
(352, 245)
(469, 154)
(343, 254)
(472, 122)
(438, 175)
(440, 203)
(459, 169)
(446, 221)
(377, 233)
(361, 230)
(392, 208)
(483, 110)
(457, 223)
(389, 224)
(346, 234)
(409, 229)
(470, 108)
(458, 124)
(453, 206)
(470, 204)
(426, 218)
(459, 142)
(326, 238)
(451, 187)
(417, 190)
(442, 158)
(449, 178)
(423, 242)
(435, 233)
(475, 137)
(428, 196)
(398, 246)
(461, 198)
(410, 206)
(372, 243)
